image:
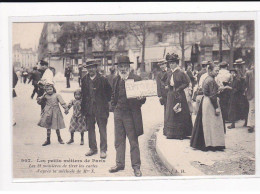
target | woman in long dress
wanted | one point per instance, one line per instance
(208, 130)
(178, 123)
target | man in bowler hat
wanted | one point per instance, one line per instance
(127, 118)
(96, 93)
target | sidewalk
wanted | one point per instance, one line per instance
(237, 159)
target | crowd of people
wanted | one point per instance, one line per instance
(219, 94)
(216, 93)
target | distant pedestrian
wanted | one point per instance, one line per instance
(35, 78)
(51, 117)
(112, 75)
(80, 74)
(250, 93)
(25, 75)
(208, 130)
(78, 120)
(67, 75)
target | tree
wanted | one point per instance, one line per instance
(181, 28)
(106, 34)
(232, 37)
(139, 30)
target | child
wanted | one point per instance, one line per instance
(51, 117)
(77, 122)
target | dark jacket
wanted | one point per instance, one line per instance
(161, 83)
(67, 72)
(15, 80)
(134, 104)
(35, 77)
(102, 95)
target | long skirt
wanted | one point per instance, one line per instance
(177, 125)
(239, 107)
(208, 130)
(224, 100)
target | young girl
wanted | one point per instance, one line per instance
(77, 122)
(51, 117)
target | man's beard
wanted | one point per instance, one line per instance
(124, 75)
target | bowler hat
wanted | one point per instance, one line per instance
(173, 58)
(239, 62)
(123, 60)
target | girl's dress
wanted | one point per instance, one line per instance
(208, 130)
(78, 121)
(51, 117)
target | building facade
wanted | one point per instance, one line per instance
(161, 38)
(27, 58)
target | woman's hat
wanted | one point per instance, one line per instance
(239, 62)
(123, 60)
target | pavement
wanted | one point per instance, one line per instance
(237, 159)
(29, 156)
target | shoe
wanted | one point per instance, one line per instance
(103, 155)
(46, 143)
(137, 172)
(70, 141)
(60, 141)
(82, 142)
(116, 169)
(231, 127)
(251, 130)
(90, 153)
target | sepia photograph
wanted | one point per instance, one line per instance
(133, 98)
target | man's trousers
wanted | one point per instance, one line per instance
(102, 125)
(124, 126)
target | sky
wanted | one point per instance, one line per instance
(27, 34)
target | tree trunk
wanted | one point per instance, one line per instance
(182, 50)
(231, 57)
(220, 42)
(143, 54)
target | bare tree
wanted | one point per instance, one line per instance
(139, 30)
(232, 37)
(182, 28)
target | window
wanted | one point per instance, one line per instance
(159, 37)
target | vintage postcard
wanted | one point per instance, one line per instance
(133, 98)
